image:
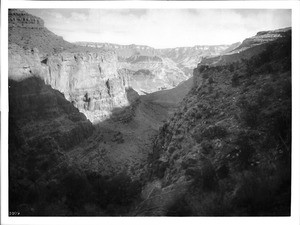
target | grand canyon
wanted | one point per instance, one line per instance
(103, 129)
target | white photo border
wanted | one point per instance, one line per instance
(293, 5)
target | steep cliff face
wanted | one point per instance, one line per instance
(150, 74)
(151, 69)
(230, 141)
(89, 78)
(90, 81)
(185, 57)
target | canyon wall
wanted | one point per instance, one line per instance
(152, 70)
(90, 80)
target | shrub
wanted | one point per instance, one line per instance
(205, 75)
(260, 193)
(231, 68)
(214, 131)
(246, 150)
(235, 80)
(249, 112)
(181, 207)
(202, 68)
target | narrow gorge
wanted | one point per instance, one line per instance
(100, 129)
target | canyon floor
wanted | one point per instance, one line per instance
(124, 141)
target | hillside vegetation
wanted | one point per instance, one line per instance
(230, 141)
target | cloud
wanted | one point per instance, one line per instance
(162, 28)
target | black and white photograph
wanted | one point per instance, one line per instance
(149, 112)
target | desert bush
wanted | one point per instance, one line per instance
(266, 68)
(249, 112)
(122, 190)
(181, 207)
(114, 193)
(258, 193)
(231, 68)
(235, 80)
(203, 68)
(267, 90)
(76, 190)
(246, 150)
(205, 75)
(214, 131)
(206, 146)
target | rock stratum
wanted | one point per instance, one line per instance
(153, 69)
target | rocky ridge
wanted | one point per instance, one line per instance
(229, 143)
(249, 47)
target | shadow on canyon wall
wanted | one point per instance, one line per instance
(43, 179)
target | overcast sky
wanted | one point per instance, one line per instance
(161, 28)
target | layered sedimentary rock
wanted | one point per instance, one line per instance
(89, 80)
(18, 18)
(148, 74)
(29, 32)
(185, 57)
(151, 69)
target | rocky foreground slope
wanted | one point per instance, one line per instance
(227, 150)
